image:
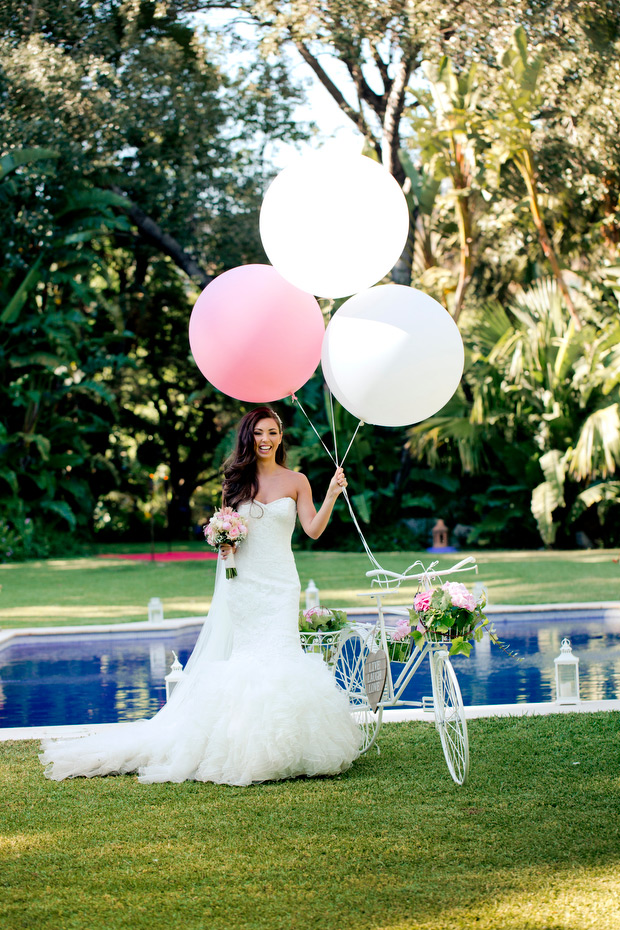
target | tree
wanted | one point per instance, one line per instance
(447, 123)
(539, 399)
(376, 54)
(519, 101)
(137, 106)
(56, 342)
(136, 102)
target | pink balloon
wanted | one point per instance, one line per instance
(254, 336)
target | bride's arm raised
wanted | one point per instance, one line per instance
(312, 522)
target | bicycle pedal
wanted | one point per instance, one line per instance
(427, 704)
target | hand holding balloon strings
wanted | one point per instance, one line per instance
(338, 483)
(334, 459)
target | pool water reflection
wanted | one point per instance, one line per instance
(57, 680)
(490, 676)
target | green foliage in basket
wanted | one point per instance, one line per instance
(326, 619)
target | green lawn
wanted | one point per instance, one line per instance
(94, 590)
(532, 842)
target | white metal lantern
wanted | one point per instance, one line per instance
(174, 676)
(312, 595)
(566, 675)
(156, 610)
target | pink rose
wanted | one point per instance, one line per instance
(422, 600)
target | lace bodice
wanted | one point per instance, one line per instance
(263, 599)
(270, 527)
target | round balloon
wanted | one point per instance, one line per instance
(334, 224)
(392, 355)
(254, 335)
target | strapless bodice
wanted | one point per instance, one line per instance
(270, 527)
(266, 576)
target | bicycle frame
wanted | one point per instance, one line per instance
(392, 695)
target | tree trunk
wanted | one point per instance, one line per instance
(465, 235)
(528, 174)
(388, 108)
(390, 146)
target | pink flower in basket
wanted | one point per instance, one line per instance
(459, 595)
(422, 600)
(402, 631)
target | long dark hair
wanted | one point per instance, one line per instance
(240, 479)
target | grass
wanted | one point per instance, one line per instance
(92, 590)
(532, 842)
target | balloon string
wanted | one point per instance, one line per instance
(361, 423)
(345, 494)
(296, 400)
(367, 548)
(331, 404)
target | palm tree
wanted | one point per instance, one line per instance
(539, 399)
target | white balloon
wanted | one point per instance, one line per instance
(334, 224)
(392, 355)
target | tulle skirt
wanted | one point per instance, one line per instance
(244, 720)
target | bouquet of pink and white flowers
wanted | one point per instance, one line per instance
(226, 528)
(449, 612)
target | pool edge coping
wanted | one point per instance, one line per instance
(176, 623)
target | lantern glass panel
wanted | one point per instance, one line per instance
(567, 681)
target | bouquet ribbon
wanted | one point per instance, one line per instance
(231, 568)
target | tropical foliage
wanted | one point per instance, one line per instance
(538, 404)
(132, 172)
(145, 167)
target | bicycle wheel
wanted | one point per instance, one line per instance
(450, 716)
(349, 674)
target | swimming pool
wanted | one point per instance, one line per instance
(104, 678)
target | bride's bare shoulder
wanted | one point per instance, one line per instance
(299, 482)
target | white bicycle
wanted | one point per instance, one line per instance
(362, 659)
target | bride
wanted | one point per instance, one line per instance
(252, 706)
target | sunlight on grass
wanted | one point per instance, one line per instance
(20, 842)
(90, 590)
(54, 615)
(575, 555)
(67, 564)
(84, 612)
(186, 606)
(562, 899)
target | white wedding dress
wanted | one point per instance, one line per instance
(252, 706)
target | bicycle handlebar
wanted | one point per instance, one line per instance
(394, 578)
